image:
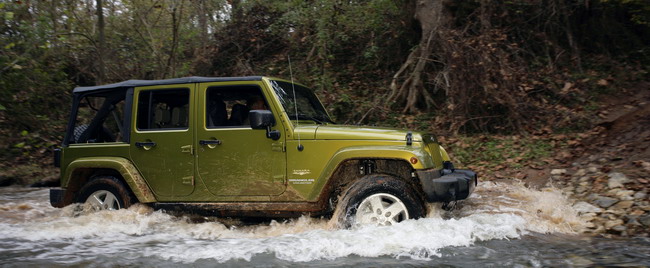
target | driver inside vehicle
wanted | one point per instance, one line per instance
(255, 102)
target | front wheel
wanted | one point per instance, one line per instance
(105, 193)
(379, 200)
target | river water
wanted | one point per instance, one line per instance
(501, 225)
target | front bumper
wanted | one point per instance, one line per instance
(446, 185)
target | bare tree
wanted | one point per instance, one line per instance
(407, 86)
(101, 43)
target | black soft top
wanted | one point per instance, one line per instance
(183, 80)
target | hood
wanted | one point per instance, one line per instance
(343, 132)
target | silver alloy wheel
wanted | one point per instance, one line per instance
(381, 209)
(103, 200)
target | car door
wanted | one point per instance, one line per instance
(234, 159)
(162, 139)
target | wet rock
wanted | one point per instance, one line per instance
(615, 213)
(637, 212)
(580, 261)
(645, 220)
(599, 229)
(623, 194)
(613, 192)
(645, 165)
(558, 171)
(581, 172)
(590, 221)
(605, 202)
(633, 220)
(584, 207)
(593, 196)
(616, 180)
(612, 223)
(619, 228)
(608, 216)
(623, 205)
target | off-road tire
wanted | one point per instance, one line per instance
(107, 183)
(377, 184)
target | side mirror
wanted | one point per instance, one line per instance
(263, 119)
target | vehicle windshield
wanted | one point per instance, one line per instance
(308, 106)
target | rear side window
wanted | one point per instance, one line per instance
(166, 109)
(99, 118)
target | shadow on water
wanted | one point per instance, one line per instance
(500, 226)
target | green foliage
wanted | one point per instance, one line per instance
(34, 85)
(334, 34)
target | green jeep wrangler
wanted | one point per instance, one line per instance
(245, 147)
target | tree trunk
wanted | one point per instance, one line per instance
(236, 10)
(575, 51)
(101, 44)
(202, 14)
(176, 16)
(407, 86)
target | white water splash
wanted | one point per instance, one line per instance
(495, 211)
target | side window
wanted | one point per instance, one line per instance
(100, 118)
(228, 106)
(163, 109)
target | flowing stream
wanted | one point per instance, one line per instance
(500, 225)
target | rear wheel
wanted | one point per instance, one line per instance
(106, 193)
(379, 200)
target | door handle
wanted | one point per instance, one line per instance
(210, 143)
(147, 145)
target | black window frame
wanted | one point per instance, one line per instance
(149, 110)
(126, 120)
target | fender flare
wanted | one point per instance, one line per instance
(123, 166)
(402, 153)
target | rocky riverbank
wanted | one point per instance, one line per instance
(614, 204)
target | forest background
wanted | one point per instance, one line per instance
(508, 85)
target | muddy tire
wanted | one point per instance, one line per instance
(380, 200)
(106, 193)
